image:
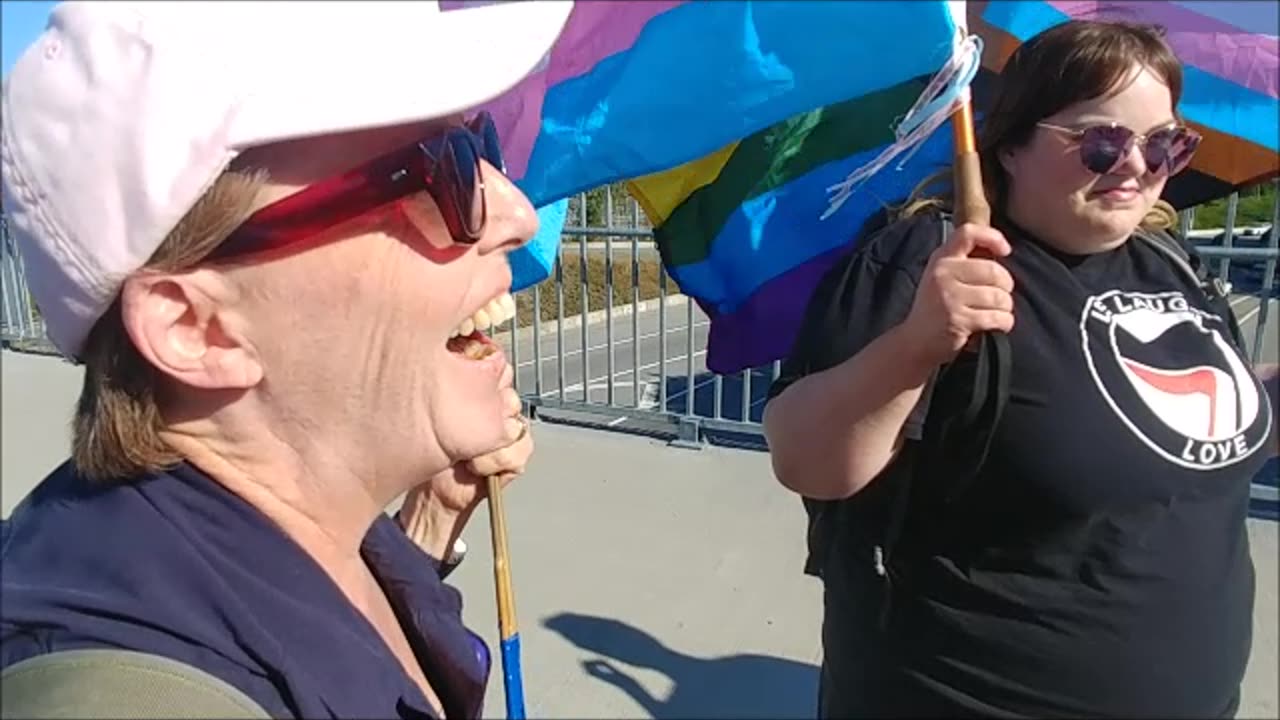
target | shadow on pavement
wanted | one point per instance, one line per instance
(735, 686)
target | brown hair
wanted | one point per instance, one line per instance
(116, 432)
(1069, 63)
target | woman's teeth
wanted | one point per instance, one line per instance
(498, 311)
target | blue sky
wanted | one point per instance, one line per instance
(20, 22)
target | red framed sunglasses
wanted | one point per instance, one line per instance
(445, 165)
(1104, 147)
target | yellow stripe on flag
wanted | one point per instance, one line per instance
(660, 193)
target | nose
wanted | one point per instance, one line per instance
(511, 220)
(1133, 164)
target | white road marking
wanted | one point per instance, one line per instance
(622, 373)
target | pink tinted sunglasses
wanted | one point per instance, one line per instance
(445, 165)
(1104, 147)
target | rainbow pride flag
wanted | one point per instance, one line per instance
(739, 228)
(637, 87)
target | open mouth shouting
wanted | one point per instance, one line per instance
(469, 338)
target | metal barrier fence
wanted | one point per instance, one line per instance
(635, 362)
(647, 376)
(20, 323)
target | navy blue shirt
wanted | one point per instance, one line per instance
(175, 565)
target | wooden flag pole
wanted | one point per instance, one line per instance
(513, 682)
(970, 198)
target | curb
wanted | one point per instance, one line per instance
(574, 322)
(594, 316)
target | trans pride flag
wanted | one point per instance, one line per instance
(739, 228)
(1230, 55)
(638, 87)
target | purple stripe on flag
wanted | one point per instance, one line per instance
(765, 326)
(1249, 59)
(1249, 15)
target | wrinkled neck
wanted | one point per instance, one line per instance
(297, 477)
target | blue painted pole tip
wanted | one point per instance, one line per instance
(513, 681)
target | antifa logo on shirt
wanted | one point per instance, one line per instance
(1169, 372)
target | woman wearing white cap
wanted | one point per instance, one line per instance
(273, 238)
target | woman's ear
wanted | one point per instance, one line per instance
(183, 324)
(1008, 160)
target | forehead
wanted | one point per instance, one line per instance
(1142, 102)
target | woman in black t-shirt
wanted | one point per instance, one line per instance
(1098, 562)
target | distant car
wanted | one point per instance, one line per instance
(1246, 275)
(1246, 237)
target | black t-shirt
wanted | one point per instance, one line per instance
(1099, 562)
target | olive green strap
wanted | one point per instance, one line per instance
(102, 683)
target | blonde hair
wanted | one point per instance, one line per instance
(116, 431)
(1070, 62)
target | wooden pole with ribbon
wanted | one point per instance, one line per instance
(970, 199)
(947, 89)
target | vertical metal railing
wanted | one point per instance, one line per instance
(635, 307)
(608, 295)
(1229, 234)
(666, 371)
(20, 322)
(1268, 277)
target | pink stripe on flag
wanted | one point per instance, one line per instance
(1248, 59)
(518, 116)
(596, 30)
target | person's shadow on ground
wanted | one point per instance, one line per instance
(735, 686)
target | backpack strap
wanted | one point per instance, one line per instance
(824, 516)
(958, 411)
(1184, 261)
(970, 395)
(101, 683)
(1217, 291)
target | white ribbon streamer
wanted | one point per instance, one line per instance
(946, 91)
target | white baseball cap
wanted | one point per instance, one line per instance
(122, 114)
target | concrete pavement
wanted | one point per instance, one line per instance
(650, 581)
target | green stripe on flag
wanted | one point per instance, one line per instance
(777, 155)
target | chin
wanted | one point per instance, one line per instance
(1113, 226)
(471, 434)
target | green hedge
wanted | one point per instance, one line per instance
(648, 282)
(1256, 207)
